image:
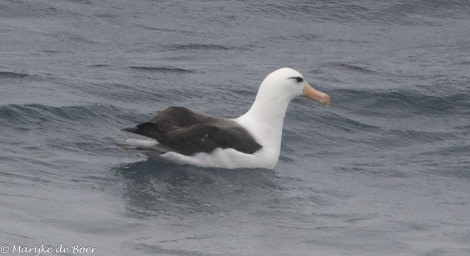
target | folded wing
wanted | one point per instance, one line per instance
(188, 133)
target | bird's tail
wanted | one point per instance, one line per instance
(150, 148)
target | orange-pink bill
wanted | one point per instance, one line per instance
(315, 95)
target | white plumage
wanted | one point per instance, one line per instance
(263, 121)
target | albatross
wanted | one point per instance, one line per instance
(252, 140)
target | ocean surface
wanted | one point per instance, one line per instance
(384, 170)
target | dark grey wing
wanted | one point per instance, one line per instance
(207, 137)
(188, 133)
(166, 121)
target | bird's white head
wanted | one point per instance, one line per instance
(284, 84)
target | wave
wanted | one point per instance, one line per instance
(433, 8)
(21, 9)
(32, 116)
(345, 67)
(401, 102)
(204, 47)
(161, 69)
(7, 74)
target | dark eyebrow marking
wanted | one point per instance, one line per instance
(297, 78)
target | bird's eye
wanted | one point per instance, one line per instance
(297, 78)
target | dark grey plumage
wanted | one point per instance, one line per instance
(187, 132)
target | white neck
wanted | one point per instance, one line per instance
(265, 119)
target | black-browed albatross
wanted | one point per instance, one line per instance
(252, 140)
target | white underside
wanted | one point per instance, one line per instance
(222, 158)
(219, 158)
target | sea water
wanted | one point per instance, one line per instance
(384, 170)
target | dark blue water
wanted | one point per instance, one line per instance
(384, 170)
